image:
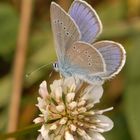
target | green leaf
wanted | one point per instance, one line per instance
(132, 95)
(5, 90)
(120, 130)
(132, 103)
(21, 132)
(8, 29)
(41, 52)
(121, 30)
(133, 61)
(105, 11)
(4, 119)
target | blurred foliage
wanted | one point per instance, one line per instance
(8, 30)
(121, 22)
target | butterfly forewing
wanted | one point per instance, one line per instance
(83, 58)
(87, 20)
(65, 30)
(114, 56)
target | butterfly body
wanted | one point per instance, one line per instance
(63, 69)
(74, 34)
(66, 71)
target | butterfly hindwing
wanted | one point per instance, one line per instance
(114, 56)
(84, 59)
(87, 20)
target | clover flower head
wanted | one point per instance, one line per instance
(67, 111)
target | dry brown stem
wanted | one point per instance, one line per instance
(19, 63)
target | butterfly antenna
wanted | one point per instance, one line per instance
(36, 70)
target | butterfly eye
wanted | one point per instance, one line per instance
(55, 65)
(89, 64)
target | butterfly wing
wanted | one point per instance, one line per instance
(84, 59)
(114, 56)
(87, 20)
(65, 31)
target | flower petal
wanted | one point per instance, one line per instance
(68, 136)
(83, 134)
(73, 83)
(60, 108)
(44, 132)
(70, 97)
(105, 124)
(56, 84)
(58, 93)
(41, 104)
(40, 137)
(38, 120)
(94, 93)
(43, 92)
(97, 136)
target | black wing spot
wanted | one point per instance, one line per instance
(89, 64)
(67, 33)
(74, 47)
(86, 52)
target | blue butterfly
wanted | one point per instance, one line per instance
(74, 35)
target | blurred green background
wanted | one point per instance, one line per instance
(121, 23)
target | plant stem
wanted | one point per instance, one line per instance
(21, 132)
(19, 63)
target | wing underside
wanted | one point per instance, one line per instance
(114, 56)
(86, 19)
(65, 31)
(84, 59)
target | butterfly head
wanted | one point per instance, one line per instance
(62, 69)
(55, 66)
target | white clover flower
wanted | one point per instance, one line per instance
(67, 112)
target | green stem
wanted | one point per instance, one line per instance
(21, 132)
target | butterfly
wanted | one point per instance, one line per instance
(74, 35)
